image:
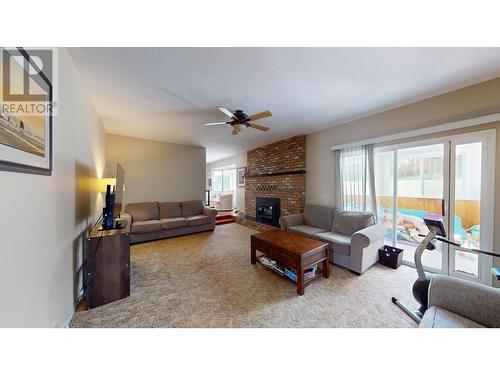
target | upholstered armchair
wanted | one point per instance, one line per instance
(225, 202)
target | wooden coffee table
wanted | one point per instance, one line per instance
(293, 251)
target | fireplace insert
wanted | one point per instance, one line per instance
(267, 211)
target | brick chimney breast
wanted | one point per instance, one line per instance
(277, 170)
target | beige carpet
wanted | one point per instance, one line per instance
(206, 280)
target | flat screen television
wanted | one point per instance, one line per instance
(120, 178)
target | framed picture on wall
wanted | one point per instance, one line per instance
(26, 111)
(241, 176)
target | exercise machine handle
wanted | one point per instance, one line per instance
(467, 250)
(444, 240)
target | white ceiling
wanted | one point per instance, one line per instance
(168, 93)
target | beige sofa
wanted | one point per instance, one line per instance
(354, 237)
(156, 220)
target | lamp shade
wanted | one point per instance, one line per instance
(104, 182)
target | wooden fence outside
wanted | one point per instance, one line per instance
(467, 210)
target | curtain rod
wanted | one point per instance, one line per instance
(423, 131)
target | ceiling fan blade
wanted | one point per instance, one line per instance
(227, 112)
(259, 127)
(215, 123)
(235, 132)
(260, 115)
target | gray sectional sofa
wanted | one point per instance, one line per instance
(156, 220)
(354, 237)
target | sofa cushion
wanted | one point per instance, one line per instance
(173, 222)
(146, 226)
(340, 243)
(318, 216)
(437, 317)
(192, 208)
(170, 209)
(305, 229)
(143, 211)
(198, 220)
(349, 222)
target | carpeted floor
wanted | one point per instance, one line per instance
(206, 280)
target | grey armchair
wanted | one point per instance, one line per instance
(456, 303)
(354, 237)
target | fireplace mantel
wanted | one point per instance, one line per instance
(278, 173)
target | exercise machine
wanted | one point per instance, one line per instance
(421, 286)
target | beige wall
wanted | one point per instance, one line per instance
(43, 218)
(240, 161)
(157, 171)
(472, 101)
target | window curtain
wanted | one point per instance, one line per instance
(355, 179)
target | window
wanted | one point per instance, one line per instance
(217, 180)
(420, 172)
(354, 178)
(224, 179)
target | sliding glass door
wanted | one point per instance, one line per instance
(471, 205)
(449, 178)
(467, 207)
(410, 184)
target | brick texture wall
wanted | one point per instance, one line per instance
(286, 155)
(254, 225)
(287, 158)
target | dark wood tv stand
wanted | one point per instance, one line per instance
(106, 266)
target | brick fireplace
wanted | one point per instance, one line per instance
(278, 171)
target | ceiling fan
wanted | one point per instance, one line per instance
(239, 119)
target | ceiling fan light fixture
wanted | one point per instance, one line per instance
(239, 118)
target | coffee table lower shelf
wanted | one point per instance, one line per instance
(292, 251)
(318, 273)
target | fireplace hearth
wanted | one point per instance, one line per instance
(267, 210)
